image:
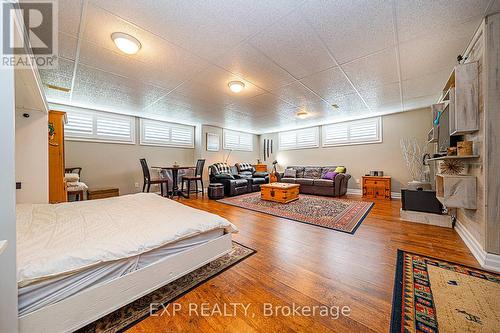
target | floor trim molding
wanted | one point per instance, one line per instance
(357, 191)
(488, 261)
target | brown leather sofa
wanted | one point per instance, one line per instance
(309, 179)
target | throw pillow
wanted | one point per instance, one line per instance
(290, 173)
(330, 175)
(340, 170)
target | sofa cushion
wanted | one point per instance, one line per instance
(323, 182)
(244, 167)
(259, 181)
(245, 174)
(222, 168)
(288, 180)
(304, 181)
(290, 173)
(240, 182)
(312, 172)
(224, 176)
(300, 171)
(327, 169)
(260, 174)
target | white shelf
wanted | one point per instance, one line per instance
(456, 157)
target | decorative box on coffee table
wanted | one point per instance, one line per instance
(376, 187)
(102, 193)
(279, 192)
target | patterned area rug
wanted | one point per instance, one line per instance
(432, 295)
(332, 213)
(131, 314)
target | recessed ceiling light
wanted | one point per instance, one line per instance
(302, 114)
(335, 106)
(126, 43)
(236, 86)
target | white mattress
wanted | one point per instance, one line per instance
(38, 295)
(58, 240)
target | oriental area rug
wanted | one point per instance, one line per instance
(432, 295)
(333, 213)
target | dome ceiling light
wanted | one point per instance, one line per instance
(302, 114)
(236, 86)
(126, 43)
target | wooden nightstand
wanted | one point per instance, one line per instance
(376, 187)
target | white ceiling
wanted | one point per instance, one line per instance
(368, 57)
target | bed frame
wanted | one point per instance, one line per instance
(91, 304)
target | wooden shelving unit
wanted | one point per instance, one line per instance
(456, 191)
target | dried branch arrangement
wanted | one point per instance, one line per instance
(412, 154)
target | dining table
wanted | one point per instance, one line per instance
(175, 175)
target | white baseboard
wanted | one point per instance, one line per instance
(357, 191)
(488, 261)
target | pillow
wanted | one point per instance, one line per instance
(260, 174)
(244, 167)
(71, 177)
(224, 176)
(290, 173)
(340, 170)
(329, 175)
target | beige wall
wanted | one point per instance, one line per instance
(214, 157)
(360, 159)
(32, 157)
(117, 165)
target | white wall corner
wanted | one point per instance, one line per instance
(488, 261)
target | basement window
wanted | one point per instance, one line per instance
(352, 132)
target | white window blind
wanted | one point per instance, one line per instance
(160, 133)
(237, 140)
(353, 132)
(89, 125)
(299, 139)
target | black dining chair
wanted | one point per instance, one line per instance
(148, 181)
(198, 176)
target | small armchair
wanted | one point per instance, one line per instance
(228, 176)
(255, 179)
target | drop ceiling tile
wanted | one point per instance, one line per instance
(329, 84)
(67, 46)
(351, 103)
(352, 28)
(435, 52)
(296, 94)
(425, 85)
(69, 13)
(249, 63)
(118, 94)
(421, 17)
(157, 62)
(59, 77)
(374, 70)
(383, 98)
(198, 25)
(293, 44)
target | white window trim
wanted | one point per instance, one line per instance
(143, 142)
(98, 139)
(316, 144)
(240, 148)
(378, 140)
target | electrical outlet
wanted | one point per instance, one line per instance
(137, 185)
(357, 180)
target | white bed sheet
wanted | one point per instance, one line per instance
(50, 291)
(58, 240)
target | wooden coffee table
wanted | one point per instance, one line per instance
(279, 192)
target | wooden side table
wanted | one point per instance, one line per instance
(260, 167)
(376, 187)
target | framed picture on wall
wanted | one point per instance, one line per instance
(213, 142)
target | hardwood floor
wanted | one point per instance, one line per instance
(309, 266)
